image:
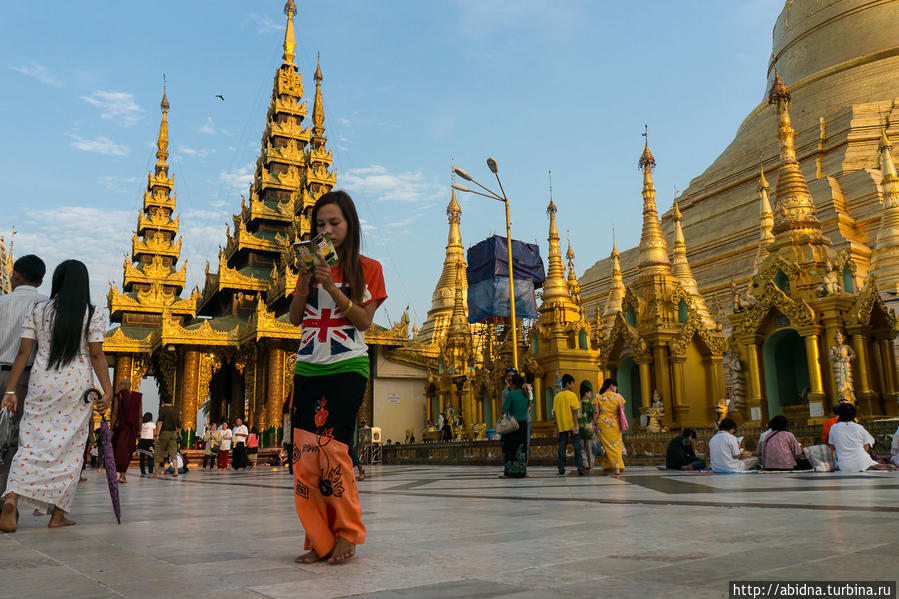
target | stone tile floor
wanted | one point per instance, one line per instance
(459, 531)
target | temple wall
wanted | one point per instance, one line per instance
(398, 397)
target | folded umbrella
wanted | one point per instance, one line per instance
(5, 432)
(90, 396)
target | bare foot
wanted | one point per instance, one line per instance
(8, 518)
(503, 476)
(343, 550)
(308, 558)
(361, 473)
(58, 520)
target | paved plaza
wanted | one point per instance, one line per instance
(459, 531)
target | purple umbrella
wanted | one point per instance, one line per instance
(90, 396)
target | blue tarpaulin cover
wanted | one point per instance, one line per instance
(488, 279)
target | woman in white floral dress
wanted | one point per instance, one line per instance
(68, 332)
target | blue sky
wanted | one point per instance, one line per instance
(408, 85)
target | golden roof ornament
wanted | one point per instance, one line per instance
(555, 286)
(653, 247)
(290, 44)
(617, 290)
(885, 258)
(318, 110)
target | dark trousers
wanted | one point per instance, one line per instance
(146, 464)
(210, 459)
(564, 437)
(240, 456)
(21, 390)
(288, 451)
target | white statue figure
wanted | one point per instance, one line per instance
(738, 307)
(735, 372)
(841, 356)
(830, 281)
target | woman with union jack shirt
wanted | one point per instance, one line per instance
(335, 305)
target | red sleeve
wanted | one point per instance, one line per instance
(374, 282)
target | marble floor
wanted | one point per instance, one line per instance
(459, 531)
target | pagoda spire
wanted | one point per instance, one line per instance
(681, 269)
(290, 43)
(318, 110)
(885, 258)
(766, 219)
(162, 142)
(436, 325)
(795, 217)
(617, 289)
(653, 248)
(574, 288)
(555, 287)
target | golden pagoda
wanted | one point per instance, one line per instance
(5, 266)
(808, 336)
(231, 346)
(662, 335)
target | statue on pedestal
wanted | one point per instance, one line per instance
(841, 356)
(655, 413)
(830, 282)
(721, 409)
(735, 372)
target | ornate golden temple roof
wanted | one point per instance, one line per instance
(653, 248)
(680, 268)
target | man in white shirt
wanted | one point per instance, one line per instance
(27, 275)
(240, 434)
(725, 452)
(225, 451)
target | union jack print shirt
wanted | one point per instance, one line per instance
(328, 336)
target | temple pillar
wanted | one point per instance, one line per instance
(889, 370)
(715, 381)
(273, 397)
(540, 408)
(190, 388)
(678, 403)
(757, 410)
(645, 382)
(863, 391)
(122, 370)
(429, 409)
(813, 361)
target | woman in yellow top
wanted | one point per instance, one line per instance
(605, 420)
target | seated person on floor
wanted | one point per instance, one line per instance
(851, 443)
(725, 452)
(779, 448)
(681, 455)
(182, 466)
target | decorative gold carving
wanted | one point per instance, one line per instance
(627, 334)
(695, 326)
(799, 312)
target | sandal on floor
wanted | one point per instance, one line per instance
(361, 473)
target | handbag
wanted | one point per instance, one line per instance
(622, 418)
(506, 424)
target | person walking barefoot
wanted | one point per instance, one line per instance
(68, 333)
(335, 305)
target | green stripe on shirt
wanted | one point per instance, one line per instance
(358, 365)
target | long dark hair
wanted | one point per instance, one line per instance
(348, 252)
(71, 296)
(606, 384)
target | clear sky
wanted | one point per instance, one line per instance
(408, 85)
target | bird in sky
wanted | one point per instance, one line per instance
(220, 97)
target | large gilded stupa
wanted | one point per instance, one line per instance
(783, 280)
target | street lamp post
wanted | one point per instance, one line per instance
(491, 164)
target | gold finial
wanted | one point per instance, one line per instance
(318, 66)
(677, 215)
(614, 244)
(165, 101)
(779, 90)
(290, 43)
(569, 255)
(647, 160)
(886, 155)
(551, 208)
(318, 108)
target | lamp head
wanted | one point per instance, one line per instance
(461, 173)
(458, 187)
(491, 164)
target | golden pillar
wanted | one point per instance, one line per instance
(122, 370)
(274, 401)
(889, 369)
(645, 382)
(678, 403)
(863, 380)
(716, 383)
(189, 394)
(429, 408)
(539, 399)
(813, 360)
(756, 409)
